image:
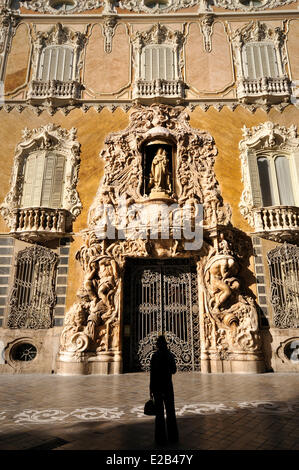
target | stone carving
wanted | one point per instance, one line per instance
(159, 181)
(266, 136)
(254, 6)
(109, 28)
(45, 6)
(232, 323)
(206, 26)
(46, 138)
(160, 7)
(92, 326)
(9, 19)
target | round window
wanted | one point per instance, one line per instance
(156, 3)
(251, 3)
(63, 5)
(24, 352)
(291, 351)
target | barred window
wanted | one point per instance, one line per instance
(56, 63)
(43, 180)
(33, 296)
(284, 274)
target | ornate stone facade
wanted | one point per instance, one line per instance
(229, 317)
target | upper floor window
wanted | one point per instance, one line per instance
(260, 56)
(260, 60)
(56, 63)
(62, 6)
(157, 64)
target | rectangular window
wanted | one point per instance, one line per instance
(56, 64)
(260, 60)
(158, 62)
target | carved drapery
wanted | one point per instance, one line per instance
(268, 137)
(109, 28)
(46, 138)
(93, 325)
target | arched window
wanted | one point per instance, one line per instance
(43, 180)
(260, 60)
(56, 63)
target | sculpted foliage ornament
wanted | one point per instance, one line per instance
(75, 6)
(253, 5)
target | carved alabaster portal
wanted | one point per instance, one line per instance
(93, 329)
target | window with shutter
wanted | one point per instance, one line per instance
(56, 63)
(260, 60)
(284, 181)
(44, 180)
(158, 62)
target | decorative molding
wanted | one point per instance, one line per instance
(270, 137)
(50, 137)
(9, 20)
(140, 6)
(44, 6)
(253, 6)
(109, 28)
(206, 26)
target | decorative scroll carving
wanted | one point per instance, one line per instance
(45, 6)
(109, 28)
(33, 296)
(254, 6)
(160, 7)
(8, 22)
(46, 138)
(266, 136)
(206, 26)
(284, 265)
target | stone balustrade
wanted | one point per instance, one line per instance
(269, 220)
(54, 89)
(270, 89)
(40, 222)
(158, 88)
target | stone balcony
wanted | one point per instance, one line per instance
(166, 90)
(39, 223)
(278, 223)
(264, 90)
(55, 91)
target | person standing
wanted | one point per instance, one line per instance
(162, 368)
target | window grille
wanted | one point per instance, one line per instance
(284, 274)
(33, 296)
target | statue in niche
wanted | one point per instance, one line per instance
(159, 182)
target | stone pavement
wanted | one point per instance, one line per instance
(214, 412)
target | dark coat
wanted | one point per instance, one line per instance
(162, 368)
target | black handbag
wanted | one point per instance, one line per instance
(149, 408)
